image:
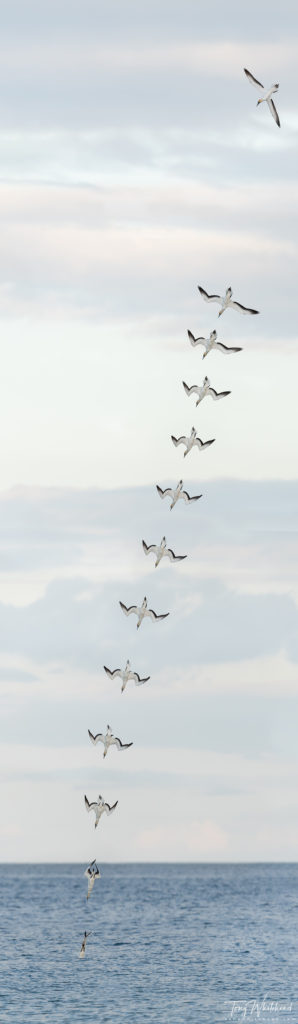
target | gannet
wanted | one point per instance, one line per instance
(227, 302)
(204, 391)
(161, 551)
(92, 872)
(99, 806)
(210, 343)
(177, 493)
(83, 946)
(108, 740)
(266, 95)
(141, 612)
(191, 442)
(126, 674)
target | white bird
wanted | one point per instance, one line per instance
(204, 391)
(267, 96)
(176, 493)
(91, 873)
(141, 611)
(161, 551)
(108, 740)
(126, 674)
(210, 343)
(83, 946)
(99, 806)
(226, 302)
(191, 442)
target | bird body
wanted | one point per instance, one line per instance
(176, 493)
(226, 302)
(161, 551)
(191, 442)
(99, 807)
(108, 740)
(126, 674)
(142, 611)
(204, 391)
(266, 96)
(211, 343)
(83, 946)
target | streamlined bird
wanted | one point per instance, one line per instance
(126, 674)
(227, 302)
(266, 96)
(191, 442)
(141, 612)
(108, 740)
(91, 873)
(210, 343)
(83, 946)
(99, 806)
(176, 493)
(161, 551)
(204, 391)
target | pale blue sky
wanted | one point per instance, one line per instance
(134, 165)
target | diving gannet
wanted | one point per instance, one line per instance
(227, 302)
(204, 391)
(141, 612)
(267, 96)
(126, 674)
(83, 946)
(161, 551)
(191, 442)
(91, 873)
(210, 343)
(177, 493)
(108, 740)
(99, 806)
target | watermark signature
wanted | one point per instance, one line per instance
(265, 1010)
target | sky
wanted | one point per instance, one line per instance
(135, 165)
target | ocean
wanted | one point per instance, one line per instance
(170, 944)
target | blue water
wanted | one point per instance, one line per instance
(170, 944)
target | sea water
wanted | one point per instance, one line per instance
(170, 944)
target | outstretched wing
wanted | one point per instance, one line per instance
(138, 680)
(273, 111)
(187, 498)
(216, 395)
(190, 391)
(128, 611)
(119, 745)
(243, 309)
(90, 807)
(209, 298)
(178, 440)
(108, 809)
(117, 671)
(163, 494)
(153, 616)
(225, 349)
(99, 738)
(254, 81)
(203, 444)
(196, 341)
(168, 553)
(149, 547)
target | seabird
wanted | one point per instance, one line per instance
(108, 740)
(83, 946)
(191, 442)
(161, 551)
(177, 493)
(227, 302)
(99, 806)
(210, 343)
(141, 612)
(92, 872)
(126, 674)
(266, 95)
(204, 391)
